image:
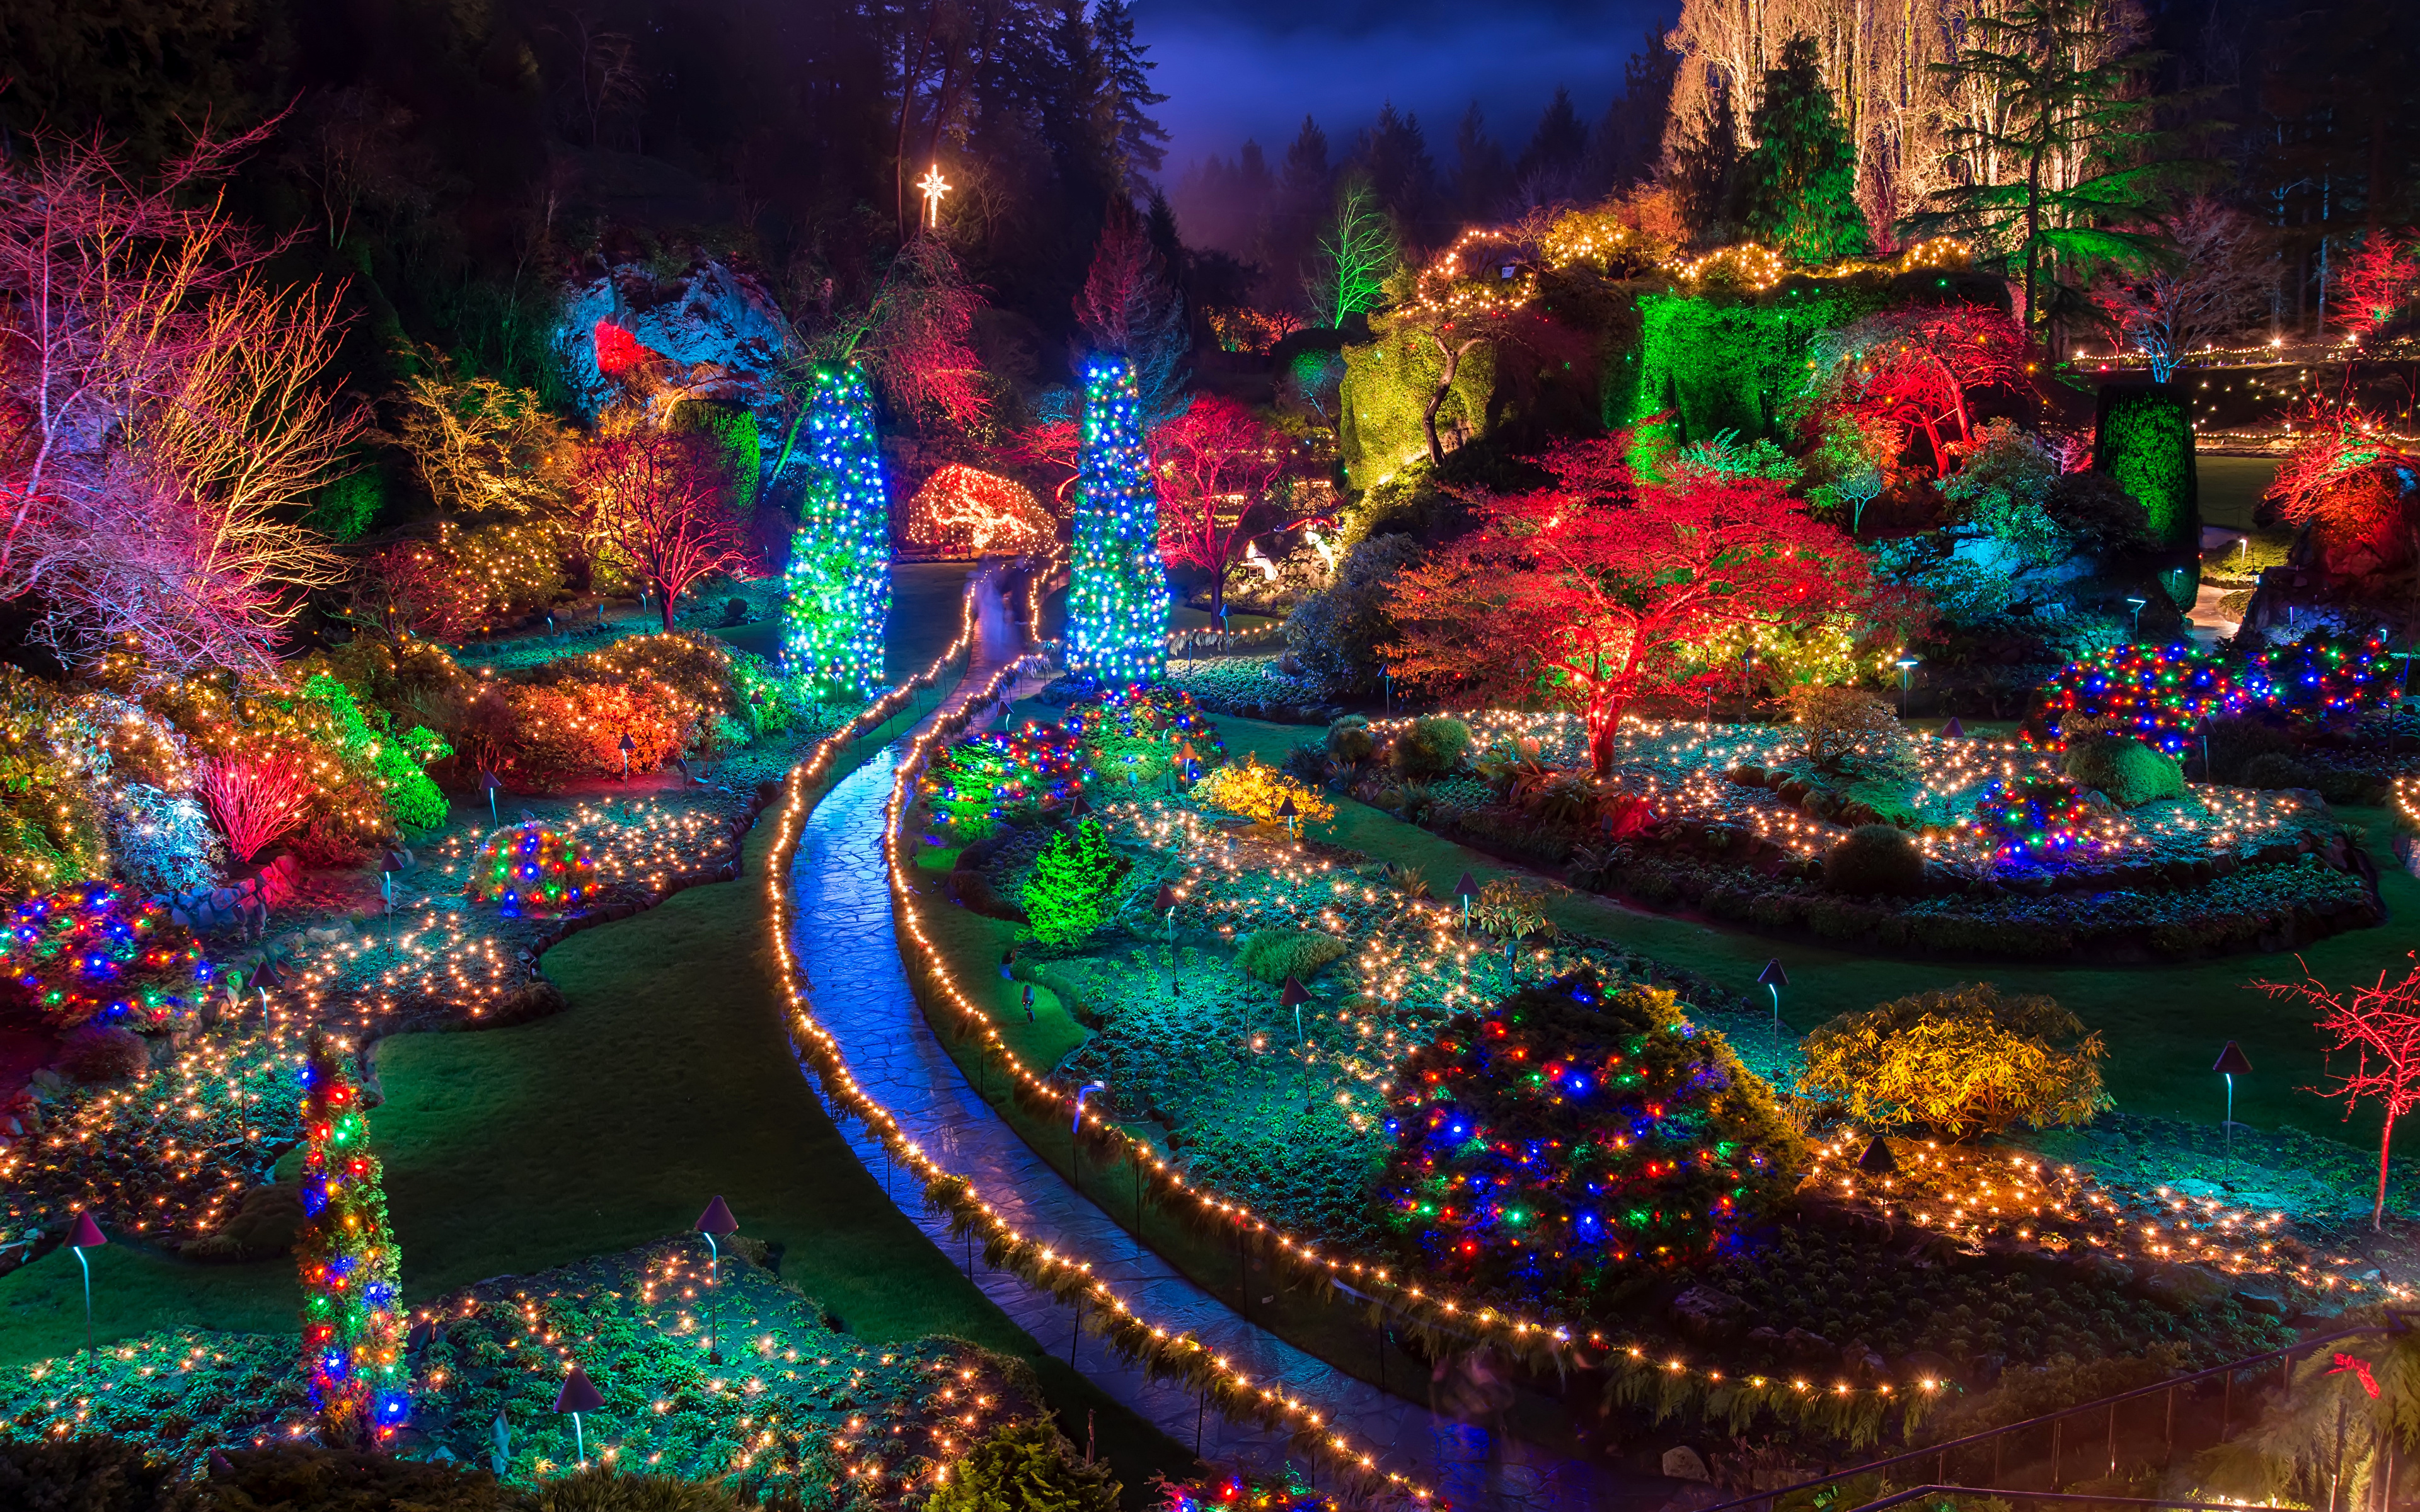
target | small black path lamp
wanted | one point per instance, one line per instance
(1294, 995)
(579, 1394)
(1773, 979)
(87, 1235)
(715, 1222)
(1877, 1159)
(1466, 890)
(2232, 1062)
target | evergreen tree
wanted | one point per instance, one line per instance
(1798, 185)
(352, 1325)
(1549, 169)
(1478, 169)
(837, 604)
(1117, 602)
(1129, 305)
(2081, 139)
(1395, 156)
(1137, 142)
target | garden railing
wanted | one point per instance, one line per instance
(2396, 1322)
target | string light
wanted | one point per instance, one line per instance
(1117, 604)
(837, 600)
(352, 1327)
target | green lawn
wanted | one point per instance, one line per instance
(2164, 1023)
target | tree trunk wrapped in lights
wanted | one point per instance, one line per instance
(1117, 607)
(839, 589)
(352, 1325)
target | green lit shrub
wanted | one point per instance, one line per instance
(1074, 884)
(2144, 442)
(1875, 860)
(1272, 955)
(1387, 383)
(1963, 1060)
(1349, 739)
(1024, 1467)
(1335, 631)
(2129, 772)
(1431, 746)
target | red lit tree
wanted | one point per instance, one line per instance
(1129, 305)
(661, 498)
(1602, 588)
(2344, 478)
(2378, 282)
(2381, 1025)
(1918, 369)
(1219, 468)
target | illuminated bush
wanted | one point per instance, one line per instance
(1840, 722)
(965, 509)
(1569, 1135)
(472, 578)
(1875, 858)
(1135, 733)
(533, 872)
(2127, 771)
(1431, 746)
(1074, 884)
(1004, 776)
(2322, 676)
(97, 951)
(2155, 694)
(564, 721)
(2042, 821)
(1030, 1467)
(2145, 440)
(51, 827)
(1387, 387)
(1272, 955)
(1963, 1060)
(1258, 792)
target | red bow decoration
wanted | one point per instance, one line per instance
(2360, 1369)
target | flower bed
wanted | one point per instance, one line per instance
(1735, 822)
(1254, 688)
(798, 1407)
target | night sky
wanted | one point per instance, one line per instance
(1234, 68)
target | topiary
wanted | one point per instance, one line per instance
(1073, 884)
(2275, 769)
(1431, 746)
(2131, 773)
(1875, 860)
(1963, 1060)
(1272, 955)
(1349, 739)
(1024, 1467)
(1572, 1135)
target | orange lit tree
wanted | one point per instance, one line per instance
(1219, 469)
(1604, 587)
(2381, 1025)
(662, 498)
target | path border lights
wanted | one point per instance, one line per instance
(579, 1395)
(715, 1222)
(87, 1235)
(2232, 1062)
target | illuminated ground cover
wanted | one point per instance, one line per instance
(2017, 858)
(793, 1404)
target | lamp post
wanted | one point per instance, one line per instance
(2232, 1062)
(2135, 605)
(627, 745)
(266, 977)
(87, 1235)
(1906, 666)
(489, 785)
(390, 862)
(1876, 1158)
(715, 1222)
(1294, 995)
(1773, 979)
(1165, 907)
(1953, 729)
(579, 1394)
(2403, 684)
(1287, 811)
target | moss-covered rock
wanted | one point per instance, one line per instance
(2131, 773)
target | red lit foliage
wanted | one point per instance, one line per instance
(1920, 369)
(2378, 282)
(258, 796)
(662, 498)
(1604, 587)
(2381, 1025)
(2347, 480)
(1573, 1137)
(1219, 469)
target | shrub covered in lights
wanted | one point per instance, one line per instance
(965, 509)
(2322, 677)
(1118, 598)
(564, 721)
(1135, 734)
(50, 831)
(2040, 820)
(1074, 884)
(352, 1312)
(99, 952)
(2155, 694)
(1260, 793)
(1963, 1062)
(838, 599)
(533, 872)
(1004, 777)
(1573, 1137)
(469, 579)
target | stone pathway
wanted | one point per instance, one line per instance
(862, 996)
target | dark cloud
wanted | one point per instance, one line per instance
(1234, 68)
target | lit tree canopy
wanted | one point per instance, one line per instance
(1798, 185)
(1602, 587)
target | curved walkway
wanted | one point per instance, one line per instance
(863, 998)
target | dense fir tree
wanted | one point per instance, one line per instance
(1479, 170)
(1549, 167)
(838, 594)
(1117, 600)
(1798, 185)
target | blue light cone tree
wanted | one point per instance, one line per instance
(837, 606)
(352, 1314)
(1117, 604)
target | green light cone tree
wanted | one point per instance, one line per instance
(352, 1317)
(1117, 604)
(837, 604)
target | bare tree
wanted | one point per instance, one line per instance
(2219, 278)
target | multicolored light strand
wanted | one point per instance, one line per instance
(838, 604)
(1117, 607)
(352, 1329)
